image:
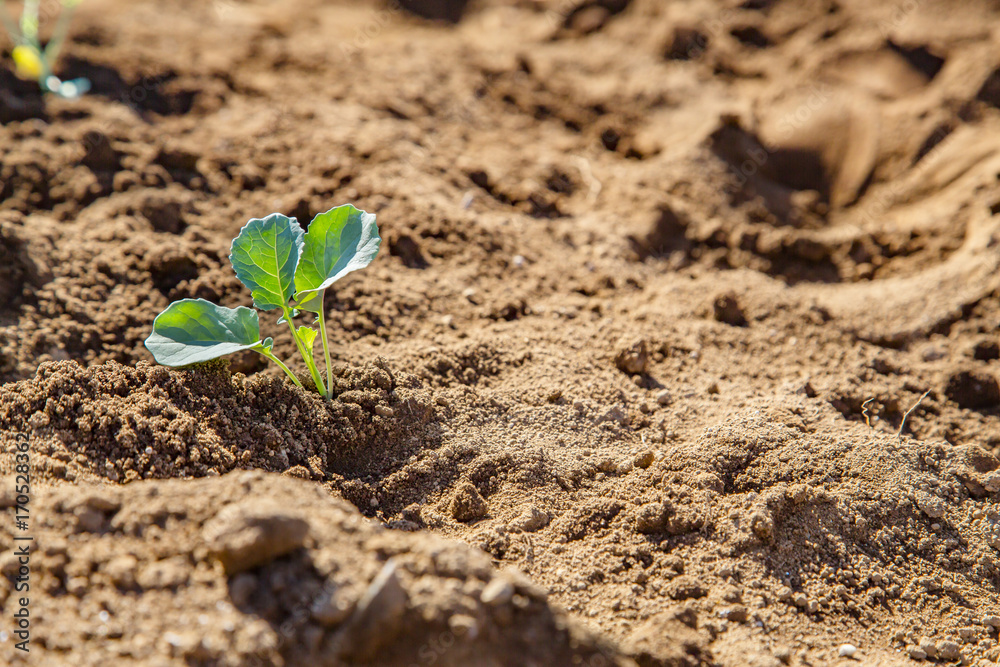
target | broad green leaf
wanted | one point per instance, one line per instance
(191, 331)
(264, 257)
(342, 240)
(307, 335)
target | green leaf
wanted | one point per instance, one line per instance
(307, 335)
(342, 240)
(191, 331)
(265, 255)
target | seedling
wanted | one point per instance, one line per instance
(285, 269)
(31, 60)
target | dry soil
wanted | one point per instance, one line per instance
(681, 348)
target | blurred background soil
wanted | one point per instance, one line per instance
(686, 315)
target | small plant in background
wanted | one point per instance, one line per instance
(285, 269)
(31, 60)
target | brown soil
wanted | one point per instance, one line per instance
(256, 569)
(662, 286)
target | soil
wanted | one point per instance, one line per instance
(681, 348)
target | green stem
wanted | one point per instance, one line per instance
(281, 365)
(326, 344)
(306, 355)
(58, 35)
(29, 21)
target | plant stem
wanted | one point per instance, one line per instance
(306, 354)
(29, 21)
(326, 344)
(58, 35)
(281, 365)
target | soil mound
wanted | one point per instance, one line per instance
(255, 569)
(124, 424)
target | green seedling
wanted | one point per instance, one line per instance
(31, 60)
(285, 269)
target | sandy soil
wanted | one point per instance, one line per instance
(681, 348)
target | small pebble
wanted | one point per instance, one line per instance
(632, 356)
(929, 504)
(498, 592)
(933, 354)
(949, 651)
(846, 651)
(518, 261)
(644, 459)
(737, 614)
(248, 534)
(78, 586)
(530, 520)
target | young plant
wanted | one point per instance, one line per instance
(31, 60)
(285, 269)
